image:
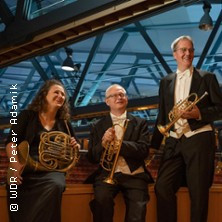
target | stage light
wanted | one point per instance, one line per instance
(206, 22)
(68, 64)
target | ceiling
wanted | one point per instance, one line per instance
(125, 42)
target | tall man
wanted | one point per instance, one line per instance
(130, 174)
(189, 150)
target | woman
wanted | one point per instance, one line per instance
(38, 194)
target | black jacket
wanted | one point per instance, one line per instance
(210, 106)
(135, 145)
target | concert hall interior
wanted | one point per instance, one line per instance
(108, 41)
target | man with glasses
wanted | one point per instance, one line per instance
(189, 150)
(119, 131)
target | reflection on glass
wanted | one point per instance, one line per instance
(41, 7)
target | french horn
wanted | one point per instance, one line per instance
(55, 154)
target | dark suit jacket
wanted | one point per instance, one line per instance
(135, 145)
(210, 106)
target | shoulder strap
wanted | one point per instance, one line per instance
(67, 127)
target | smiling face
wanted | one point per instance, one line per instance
(117, 100)
(184, 54)
(55, 97)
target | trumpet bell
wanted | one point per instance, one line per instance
(109, 180)
(163, 130)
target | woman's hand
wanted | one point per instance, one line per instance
(15, 170)
(74, 143)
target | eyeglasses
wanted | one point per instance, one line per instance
(115, 96)
(184, 50)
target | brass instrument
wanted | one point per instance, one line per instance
(55, 154)
(150, 159)
(110, 155)
(178, 110)
(218, 167)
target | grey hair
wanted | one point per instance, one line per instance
(114, 85)
(175, 42)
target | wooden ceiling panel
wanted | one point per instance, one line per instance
(74, 31)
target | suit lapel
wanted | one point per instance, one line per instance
(107, 123)
(196, 81)
(130, 127)
(171, 90)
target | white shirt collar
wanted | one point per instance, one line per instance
(186, 73)
(116, 118)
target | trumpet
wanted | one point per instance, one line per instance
(110, 155)
(178, 110)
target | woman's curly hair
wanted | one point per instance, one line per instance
(39, 103)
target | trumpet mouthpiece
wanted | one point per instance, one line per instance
(205, 94)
